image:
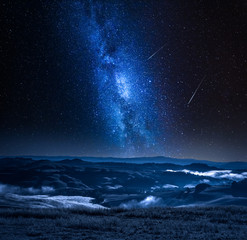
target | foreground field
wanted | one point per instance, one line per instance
(211, 223)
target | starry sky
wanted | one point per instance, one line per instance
(124, 78)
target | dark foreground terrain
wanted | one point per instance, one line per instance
(211, 223)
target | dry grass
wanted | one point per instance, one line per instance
(214, 223)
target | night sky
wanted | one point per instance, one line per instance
(124, 78)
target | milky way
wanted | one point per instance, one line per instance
(120, 78)
(125, 94)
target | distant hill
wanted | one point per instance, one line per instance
(114, 181)
(141, 160)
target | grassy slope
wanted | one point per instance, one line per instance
(214, 223)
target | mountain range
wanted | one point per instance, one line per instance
(127, 183)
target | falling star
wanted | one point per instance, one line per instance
(156, 52)
(193, 95)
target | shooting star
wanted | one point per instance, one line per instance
(196, 90)
(156, 52)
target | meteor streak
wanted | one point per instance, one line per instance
(196, 90)
(156, 52)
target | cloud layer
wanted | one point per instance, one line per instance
(150, 201)
(219, 174)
